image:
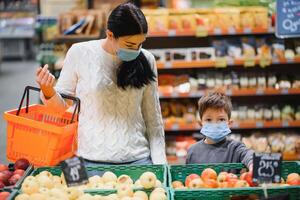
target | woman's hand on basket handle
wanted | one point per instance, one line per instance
(46, 81)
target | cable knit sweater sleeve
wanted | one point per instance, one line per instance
(153, 118)
(66, 83)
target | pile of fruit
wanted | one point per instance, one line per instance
(46, 186)
(110, 181)
(210, 179)
(9, 177)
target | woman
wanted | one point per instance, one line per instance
(116, 80)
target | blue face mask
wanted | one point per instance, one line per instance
(215, 131)
(128, 54)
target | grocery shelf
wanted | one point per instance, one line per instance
(27, 35)
(218, 64)
(232, 92)
(193, 126)
(211, 32)
(172, 159)
(20, 10)
(75, 38)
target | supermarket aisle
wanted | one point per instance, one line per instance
(14, 76)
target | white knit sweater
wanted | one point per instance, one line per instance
(115, 125)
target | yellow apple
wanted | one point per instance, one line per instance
(141, 194)
(109, 177)
(37, 196)
(30, 187)
(125, 179)
(158, 196)
(124, 190)
(148, 180)
(45, 181)
(138, 184)
(160, 189)
(23, 197)
(73, 193)
(86, 197)
(95, 179)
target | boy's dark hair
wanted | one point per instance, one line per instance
(215, 100)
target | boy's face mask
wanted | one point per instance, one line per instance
(215, 131)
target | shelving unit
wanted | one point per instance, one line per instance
(233, 92)
(194, 126)
(214, 63)
(17, 29)
(212, 32)
(203, 38)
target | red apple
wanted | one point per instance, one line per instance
(7, 173)
(196, 183)
(177, 184)
(21, 164)
(209, 173)
(249, 179)
(189, 178)
(20, 172)
(223, 184)
(4, 195)
(3, 167)
(232, 182)
(294, 182)
(211, 183)
(14, 179)
(2, 185)
(222, 177)
(4, 176)
(241, 183)
(231, 176)
(293, 179)
(243, 176)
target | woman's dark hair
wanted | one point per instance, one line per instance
(124, 20)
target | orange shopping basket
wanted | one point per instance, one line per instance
(41, 135)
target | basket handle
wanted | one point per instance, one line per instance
(76, 100)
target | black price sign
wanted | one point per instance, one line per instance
(287, 18)
(267, 167)
(74, 171)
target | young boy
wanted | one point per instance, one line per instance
(215, 112)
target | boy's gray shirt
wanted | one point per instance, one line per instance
(226, 151)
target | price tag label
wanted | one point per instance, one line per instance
(220, 62)
(267, 167)
(172, 33)
(275, 61)
(231, 31)
(259, 91)
(201, 32)
(174, 94)
(235, 125)
(168, 65)
(285, 124)
(74, 171)
(249, 62)
(217, 31)
(230, 61)
(175, 127)
(247, 30)
(284, 91)
(259, 124)
(264, 61)
(228, 92)
(290, 60)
